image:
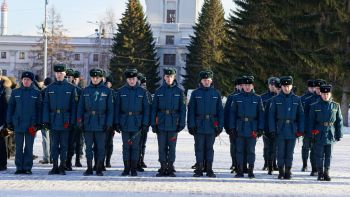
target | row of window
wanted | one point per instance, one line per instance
(3, 55)
(168, 59)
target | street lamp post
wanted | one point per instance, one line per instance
(45, 41)
(99, 33)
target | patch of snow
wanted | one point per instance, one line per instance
(146, 184)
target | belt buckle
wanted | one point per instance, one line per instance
(246, 119)
(93, 112)
(58, 111)
(207, 116)
(129, 113)
(167, 111)
(287, 121)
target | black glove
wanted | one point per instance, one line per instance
(144, 129)
(271, 135)
(155, 129)
(218, 131)
(260, 133)
(116, 127)
(108, 129)
(192, 131)
(38, 127)
(337, 139)
(9, 126)
(179, 128)
(232, 132)
(46, 125)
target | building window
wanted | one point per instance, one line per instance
(183, 57)
(40, 56)
(169, 59)
(77, 57)
(3, 55)
(95, 58)
(4, 72)
(171, 16)
(59, 56)
(22, 55)
(169, 40)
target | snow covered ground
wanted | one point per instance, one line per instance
(146, 184)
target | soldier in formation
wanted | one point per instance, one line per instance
(68, 110)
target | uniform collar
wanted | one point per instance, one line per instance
(272, 93)
(247, 93)
(132, 87)
(326, 102)
(205, 88)
(98, 85)
(170, 86)
(286, 95)
(27, 88)
(61, 82)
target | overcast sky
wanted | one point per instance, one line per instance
(25, 15)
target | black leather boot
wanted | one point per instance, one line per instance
(142, 162)
(281, 172)
(99, 168)
(69, 164)
(326, 176)
(163, 169)
(270, 168)
(198, 172)
(320, 176)
(304, 168)
(265, 165)
(126, 170)
(171, 169)
(210, 172)
(288, 174)
(88, 171)
(54, 169)
(251, 172)
(133, 168)
(62, 168)
(108, 160)
(194, 166)
(239, 173)
(77, 162)
(313, 171)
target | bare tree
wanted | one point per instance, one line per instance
(59, 51)
(109, 23)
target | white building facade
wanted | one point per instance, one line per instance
(20, 53)
(172, 24)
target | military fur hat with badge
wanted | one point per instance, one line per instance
(169, 71)
(141, 78)
(326, 88)
(131, 73)
(96, 72)
(206, 74)
(60, 68)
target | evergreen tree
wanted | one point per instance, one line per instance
(134, 47)
(206, 48)
(305, 39)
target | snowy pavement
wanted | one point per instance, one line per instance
(146, 184)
